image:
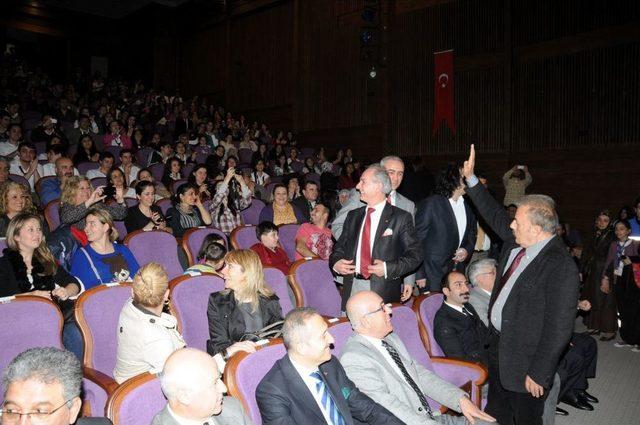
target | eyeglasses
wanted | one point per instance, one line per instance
(382, 308)
(10, 417)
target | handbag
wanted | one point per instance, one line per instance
(274, 330)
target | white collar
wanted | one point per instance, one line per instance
(379, 207)
(457, 203)
(377, 342)
(485, 291)
(302, 370)
(455, 307)
(185, 421)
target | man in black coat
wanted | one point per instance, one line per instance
(446, 228)
(377, 246)
(308, 200)
(532, 307)
(457, 326)
(308, 386)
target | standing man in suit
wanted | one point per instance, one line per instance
(309, 199)
(457, 327)
(308, 386)
(44, 384)
(377, 361)
(532, 308)
(446, 228)
(482, 275)
(377, 247)
(192, 385)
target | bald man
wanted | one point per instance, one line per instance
(191, 382)
(51, 189)
(380, 365)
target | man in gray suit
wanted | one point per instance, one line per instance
(379, 364)
(394, 166)
(482, 274)
(192, 384)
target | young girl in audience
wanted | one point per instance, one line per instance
(161, 191)
(210, 257)
(87, 151)
(147, 335)
(15, 199)
(146, 215)
(310, 166)
(187, 211)
(281, 168)
(348, 178)
(293, 188)
(200, 178)
(260, 154)
(102, 260)
(115, 177)
(259, 176)
(232, 196)
(172, 172)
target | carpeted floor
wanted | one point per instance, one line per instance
(617, 385)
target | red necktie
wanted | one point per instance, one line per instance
(514, 265)
(365, 250)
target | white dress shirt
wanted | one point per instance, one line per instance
(92, 174)
(375, 220)
(461, 216)
(16, 168)
(310, 382)
(455, 307)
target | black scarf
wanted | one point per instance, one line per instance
(41, 282)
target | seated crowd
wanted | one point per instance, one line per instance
(142, 160)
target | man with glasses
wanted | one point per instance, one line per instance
(43, 384)
(380, 365)
(482, 275)
(457, 326)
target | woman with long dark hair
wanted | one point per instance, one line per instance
(199, 177)
(172, 173)
(232, 196)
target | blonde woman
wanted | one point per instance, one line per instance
(78, 197)
(246, 305)
(146, 334)
(14, 199)
(102, 260)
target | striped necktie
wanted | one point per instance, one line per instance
(327, 402)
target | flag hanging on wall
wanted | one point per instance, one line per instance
(443, 91)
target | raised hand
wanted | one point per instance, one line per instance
(469, 164)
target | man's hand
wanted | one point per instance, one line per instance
(604, 285)
(584, 305)
(344, 267)
(460, 255)
(471, 411)
(469, 164)
(248, 346)
(407, 290)
(533, 388)
(376, 268)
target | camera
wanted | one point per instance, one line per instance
(109, 191)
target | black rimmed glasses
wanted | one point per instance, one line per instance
(382, 307)
(10, 416)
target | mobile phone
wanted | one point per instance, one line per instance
(520, 167)
(109, 191)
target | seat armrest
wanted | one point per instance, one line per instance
(460, 372)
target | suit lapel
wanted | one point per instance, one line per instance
(374, 351)
(385, 221)
(453, 224)
(299, 390)
(336, 392)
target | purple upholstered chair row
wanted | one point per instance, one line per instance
(136, 401)
(251, 215)
(244, 237)
(426, 308)
(280, 285)
(313, 286)
(155, 246)
(192, 241)
(287, 236)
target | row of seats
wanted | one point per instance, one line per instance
(137, 400)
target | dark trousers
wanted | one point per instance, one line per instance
(510, 407)
(578, 363)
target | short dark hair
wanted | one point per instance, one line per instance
(27, 145)
(625, 223)
(142, 185)
(265, 227)
(212, 248)
(276, 186)
(126, 150)
(308, 182)
(58, 149)
(448, 180)
(106, 154)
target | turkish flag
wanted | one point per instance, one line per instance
(443, 90)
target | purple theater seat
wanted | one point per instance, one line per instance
(131, 202)
(115, 150)
(28, 322)
(155, 246)
(193, 238)
(142, 156)
(19, 179)
(3, 245)
(251, 215)
(278, 282)
(426, 308)
(313, 286)
(156, 171)
(121, 228)
(98, 181)
(189, 300)
(245, 155)
(176, 184)
(83, 167)
(186, 169)
(244, 372)
(340, 330)
(467, 375)
(136, 401)
(287, 234)
(52, 215)
(164, 205)
(314, 177)
(297, 167)
(244, 237)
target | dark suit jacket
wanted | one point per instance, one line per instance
(538, 316)
(399, 250)
(304, 207)
(226, 323)
(284, 398)
(437, 231)
(461, 336)
(93, 421)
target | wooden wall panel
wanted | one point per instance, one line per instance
(203, 62)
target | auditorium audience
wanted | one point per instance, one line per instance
(193, 386)
(146, 215)
(602, 316)
(106, 163)
(127, 166)
(187, 211)
(146, 175)
(268, 249)
(281, 211)
(102, 260)
(232, 196)
(14, 199)
(243, 308)
(116, 179)
(200, 178)
(308, 384)
(87, 151)
(314, 239)
(307, 202)
(515, 181)
(210, 256)
(26, 164)
(376, 360)
(9, 145)
(172, 173)
(116, 136)
(147, 335)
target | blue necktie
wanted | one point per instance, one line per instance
(327, 402)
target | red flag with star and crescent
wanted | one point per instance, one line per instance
(443, 91)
